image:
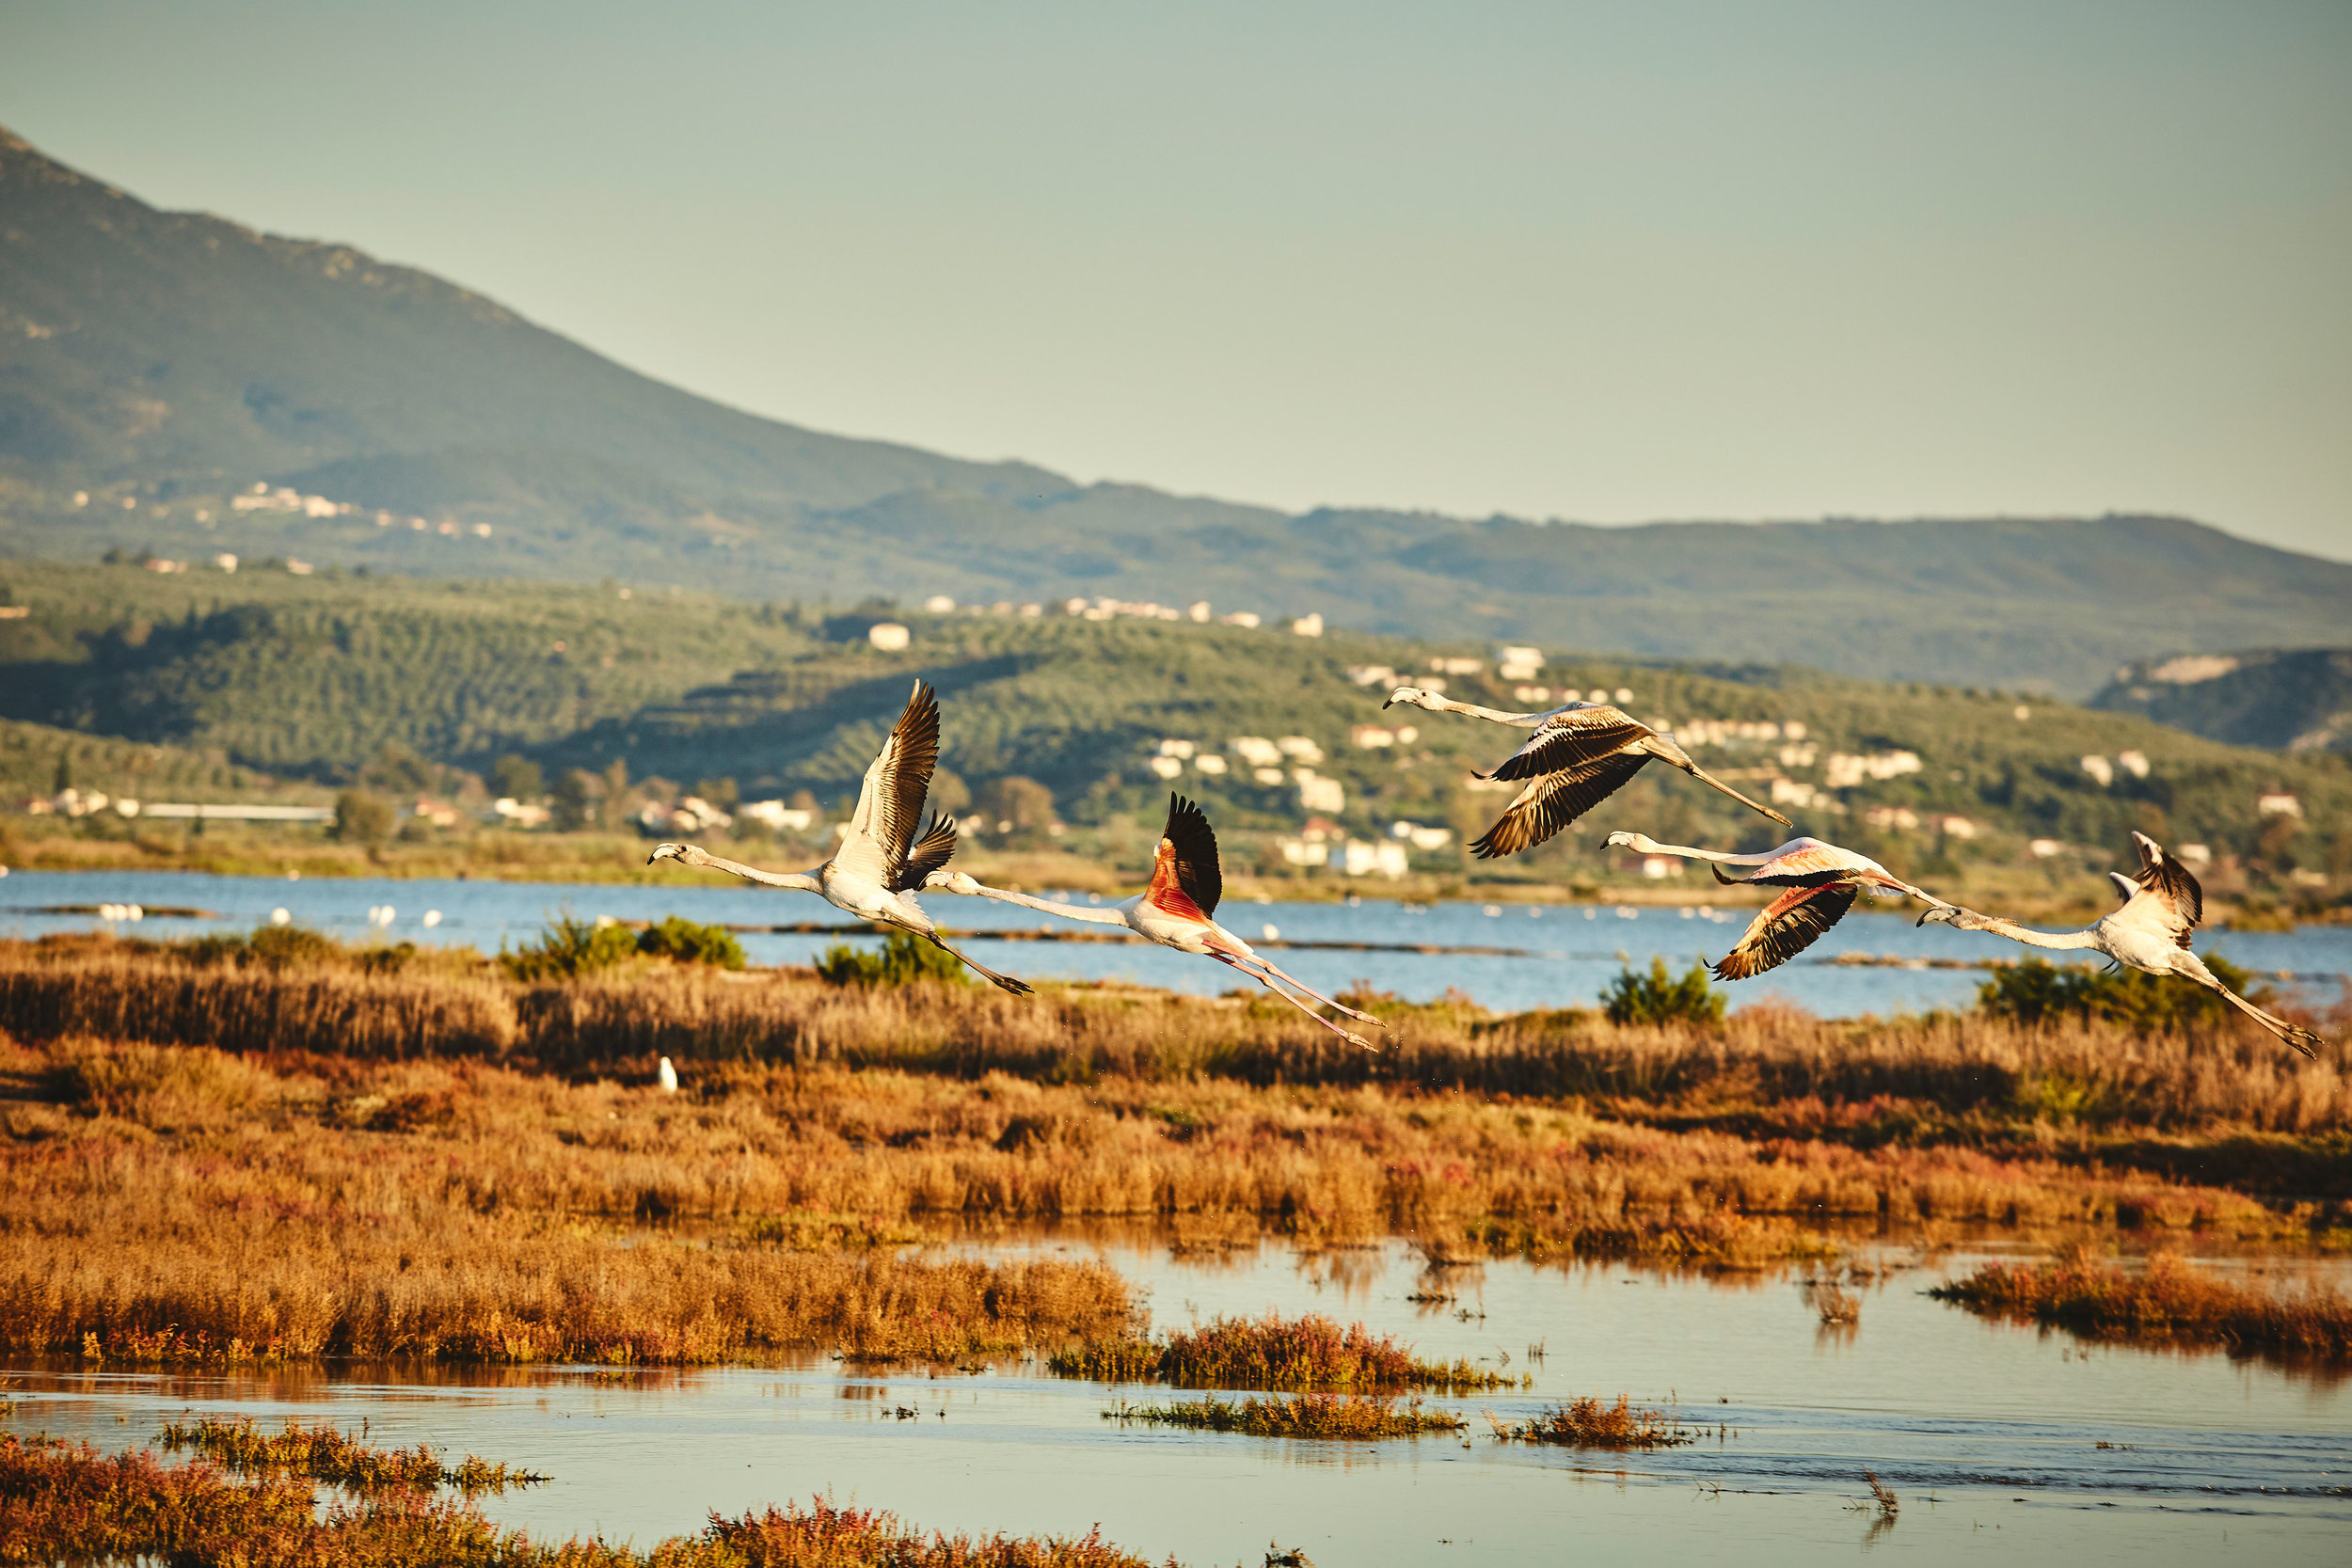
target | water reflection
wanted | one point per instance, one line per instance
(2117, 1451)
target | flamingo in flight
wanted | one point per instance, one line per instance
(1822, 880)
(881, 862)
(2162, 904)
(1175, 910)
(1579, 755)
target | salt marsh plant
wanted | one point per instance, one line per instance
(323, 1454)
(1587, 1423)
(2170, 1301)
(1274, 1352)
(1343, 1417)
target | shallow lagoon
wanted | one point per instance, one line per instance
(1989, 1432)
(1575, 950)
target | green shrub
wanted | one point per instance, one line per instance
(271, 947)
(904, 959)
(684, 942)
(1659, 998)
(570, 947)
(363, 819)
(2038, 992)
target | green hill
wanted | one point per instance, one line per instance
(2289, 699)
(318, 676)
(156, 366)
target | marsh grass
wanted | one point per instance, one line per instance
(1273, 1351)
(2171, 1300)
(1346, 1417)
(66, 1502)
(322, 1453)
(1971, 1077)
(1587, 1423)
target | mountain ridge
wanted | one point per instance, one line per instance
(158, 364)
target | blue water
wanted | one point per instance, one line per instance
(1578, 948)
(1990, 1434)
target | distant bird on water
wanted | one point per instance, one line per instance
(668, 1077)
(2162, 904)
(1579, 755)
(881, 862)
(1822, 882)
(1175, 910)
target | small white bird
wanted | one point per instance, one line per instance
(2162, 904)
(668, 1076)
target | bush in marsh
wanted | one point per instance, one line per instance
(66, 1502)
(1657, 998)
(905, 960)
(1347, 1417)
(2169, 1300)
(322, 1453)
(1587, 1423)
(1272, 1352)
(2035, 992)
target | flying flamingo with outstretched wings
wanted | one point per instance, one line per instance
(1579, 755)
(1821, 882)
(2162, 904)
(881, 862)
(1176, 910)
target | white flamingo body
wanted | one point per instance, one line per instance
(1580, 755)
(1177, 911)
(2163, 904)
(1821, 881)
(881, 862)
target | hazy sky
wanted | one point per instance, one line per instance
(1601, 263)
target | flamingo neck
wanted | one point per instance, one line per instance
(1524, 720)
(2061, 940)
(795, 881)
(1109, 915)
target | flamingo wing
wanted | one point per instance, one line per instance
(1194, 843)
(930, 853)
(2160, 874)
(1572, 739)
(890, 801)
(1551, 802)
(1786, 928)
(1804, 862)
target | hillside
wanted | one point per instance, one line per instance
(319, 676)
(155, 367)
(2288, 698)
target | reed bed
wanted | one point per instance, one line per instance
(322, 1453)
(1763, 1072)
(66, 1502)
(167, 1204)
(1346, 1417)
(1273, 1351)
(2171, 1300)
(1587, 1423)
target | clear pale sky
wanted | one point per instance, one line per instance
(1601, 263)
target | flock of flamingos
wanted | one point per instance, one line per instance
(1575, 757)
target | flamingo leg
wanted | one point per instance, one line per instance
(2189, 967)
(1003, 982)
(1232, 962)
(1298, 985)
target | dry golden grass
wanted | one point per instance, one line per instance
(1274, 1352)
(1764, 1072)
(170, 1203)
(66, 1503)
(1347, 1417)
(2171, 1300)
(1587, 1423)
(323, 1454)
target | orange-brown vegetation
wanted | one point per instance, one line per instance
(2171, 1299)
(1587, 1423)
(176, 1203)
(1349, 1418)
(1764, 1072)
(1274, 1352)
(66, 1502)
(323, 1454)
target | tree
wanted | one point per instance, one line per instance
(1015, 804)
(575, 804)
(722, 793)
(517, 778)
(361, 818)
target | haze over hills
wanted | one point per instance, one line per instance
(171, 360)
(2287, 698)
